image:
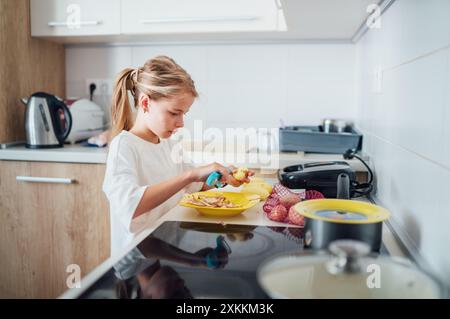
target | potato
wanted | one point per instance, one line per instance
(278, 213)
(289, 200)
(241, 173)
(257, 180)
(295, 218)
(256, 189)
(266, 186)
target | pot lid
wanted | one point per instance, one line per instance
(349, 272)
(342, 211)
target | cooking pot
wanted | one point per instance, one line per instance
(348, 272)
(327, 220)
(337, 126)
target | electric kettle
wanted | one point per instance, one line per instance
(47, 121)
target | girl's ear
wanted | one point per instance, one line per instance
(144, 102)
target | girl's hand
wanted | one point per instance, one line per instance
(233, 181)
(200, 174)
(220, 256)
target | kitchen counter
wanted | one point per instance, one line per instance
(82, 154)
(253, 216)
(68, 154)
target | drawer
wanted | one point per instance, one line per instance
(52, 215)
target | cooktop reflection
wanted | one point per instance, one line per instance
(196, 260)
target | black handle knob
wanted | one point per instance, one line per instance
(343, 186)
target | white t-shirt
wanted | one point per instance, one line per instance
(134, 164)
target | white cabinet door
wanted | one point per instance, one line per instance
(74, 17)
(198, 16)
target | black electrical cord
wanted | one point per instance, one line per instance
(360, 188)
(92, 88)
(368, 168)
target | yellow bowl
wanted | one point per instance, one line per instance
(243, 200)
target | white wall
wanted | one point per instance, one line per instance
(406, 126)
(240, 85)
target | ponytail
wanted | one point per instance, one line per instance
(121, 116)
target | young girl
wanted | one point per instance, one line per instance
(142, 182)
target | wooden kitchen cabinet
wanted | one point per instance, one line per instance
(50, 18)
(44, 227)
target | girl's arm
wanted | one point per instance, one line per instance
(157, 194)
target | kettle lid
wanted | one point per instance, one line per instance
(46, 95)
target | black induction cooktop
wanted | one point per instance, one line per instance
(196, 260)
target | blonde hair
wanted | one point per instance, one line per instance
(160, 77)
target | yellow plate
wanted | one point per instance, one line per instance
(236, 198)
(368, 213)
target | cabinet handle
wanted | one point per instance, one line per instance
(65, 24)
(199, 19)
(53, 180)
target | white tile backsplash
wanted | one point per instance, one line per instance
(412, 28)
(321, 83)
(407, 135)
(446, 118)
(240, 85)
(416, 192)
(101, 62)
(94, 63)
(412, 106)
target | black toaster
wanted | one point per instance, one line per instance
(319, 176)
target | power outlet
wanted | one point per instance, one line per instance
(104, 87)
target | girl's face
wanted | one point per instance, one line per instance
(164, 116)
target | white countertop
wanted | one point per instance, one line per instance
(68, 154)
(82, 154)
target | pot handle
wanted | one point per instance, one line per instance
(343, 186)
(348, 254)
(64, 132)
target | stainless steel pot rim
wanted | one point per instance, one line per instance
(284, 260)
(373, 213)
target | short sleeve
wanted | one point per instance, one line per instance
(121, 184)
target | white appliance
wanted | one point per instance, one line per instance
(87, 120)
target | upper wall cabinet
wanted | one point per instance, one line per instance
(74, 17)
(77, 21)
(100, 19)
(199, 16)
